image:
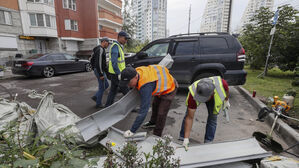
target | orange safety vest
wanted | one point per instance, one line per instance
(164, 81)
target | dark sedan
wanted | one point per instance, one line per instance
(48, 65)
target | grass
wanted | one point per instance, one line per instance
(276, 83)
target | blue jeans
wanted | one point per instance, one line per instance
(114, 89)
(211, 123)
(103, 85)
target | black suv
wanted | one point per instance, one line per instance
(196, 56)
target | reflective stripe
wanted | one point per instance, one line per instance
(121, 61)
(217, 85)
(165, 79)
(159, 80)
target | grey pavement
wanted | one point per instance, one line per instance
(74, 90)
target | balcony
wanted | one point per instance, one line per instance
(110, 4)
(108, 32)
(108, 17)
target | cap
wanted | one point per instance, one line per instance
(126, 75)
(105, 39)
(124, 34)
(205, 89)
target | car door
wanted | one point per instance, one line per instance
(185, 54)
(155, 53)
(59, 63)
(73, 63)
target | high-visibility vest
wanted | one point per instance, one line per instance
(120, 60)
(219, 93)
(164, 81)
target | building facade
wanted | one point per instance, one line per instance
(151, 19)
(10, 28)
(252, 7)
(31, 27)
(216, 16)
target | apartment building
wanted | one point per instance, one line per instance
(252, 7)
(44, 26)
(216, 16)
(10, 28)
(151, 19)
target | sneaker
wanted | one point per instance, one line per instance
(148, 125)
(99, 106)
(181, 138)
(94, 98)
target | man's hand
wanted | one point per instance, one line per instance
(226, 105)
(102, 77)
(186, 143)
(119, 77)
(128, 134)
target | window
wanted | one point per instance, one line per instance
(69, 4)
(48, 2)
(213, 45)
(5, 18)
(100, 27)
(186, 48)
(57, 57)
(71, 25)
(42, 20)
(157, 50)
(69, 57)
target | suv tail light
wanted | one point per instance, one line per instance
(241, 55)
(27, 65)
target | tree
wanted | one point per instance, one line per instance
(256, 38)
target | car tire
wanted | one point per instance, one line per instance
(203, 75)
(48, 72)
(88, 67)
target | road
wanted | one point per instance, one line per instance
(74, 91)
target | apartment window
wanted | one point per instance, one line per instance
(49, 2)
(5, 18)
(71, 25)
(69, 4)
(42, 20)
(100, 27)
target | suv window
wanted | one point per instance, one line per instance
(213, 45)
(157, 50)
(186, 48)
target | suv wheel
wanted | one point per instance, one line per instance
(203, 75)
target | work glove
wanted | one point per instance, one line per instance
(226, 105)
(128, 134)
(119, 77)
(186, 143)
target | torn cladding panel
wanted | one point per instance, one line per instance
(94, 124)
(200, 155)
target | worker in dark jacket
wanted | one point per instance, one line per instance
(100, 70)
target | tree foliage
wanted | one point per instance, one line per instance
(255, 39)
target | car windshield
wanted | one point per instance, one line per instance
(36, 56)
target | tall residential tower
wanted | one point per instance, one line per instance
(216, 16)
(151, 17)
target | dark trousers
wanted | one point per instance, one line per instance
(211, 122)
(160, 108)
(114, 89)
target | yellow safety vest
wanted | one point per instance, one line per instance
(120, 60)
(219, 93)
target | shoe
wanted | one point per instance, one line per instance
(94, 98)
(100, 106)
(148, 125)
(181, 138)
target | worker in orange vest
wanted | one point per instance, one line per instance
(152, 80)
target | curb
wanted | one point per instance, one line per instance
(289, 135)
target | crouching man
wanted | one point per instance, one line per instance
(214, 92)
(152, 80)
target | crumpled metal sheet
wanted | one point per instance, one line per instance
(200, 155)
(98, 122)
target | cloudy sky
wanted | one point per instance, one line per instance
(178, 12)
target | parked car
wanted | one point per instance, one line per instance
(196, 56)
(48, 65)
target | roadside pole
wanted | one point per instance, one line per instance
(272, 32)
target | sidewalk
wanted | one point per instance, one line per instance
(8, 74)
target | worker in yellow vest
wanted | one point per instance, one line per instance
(116, 65)
(214, 92)
(152, 80)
